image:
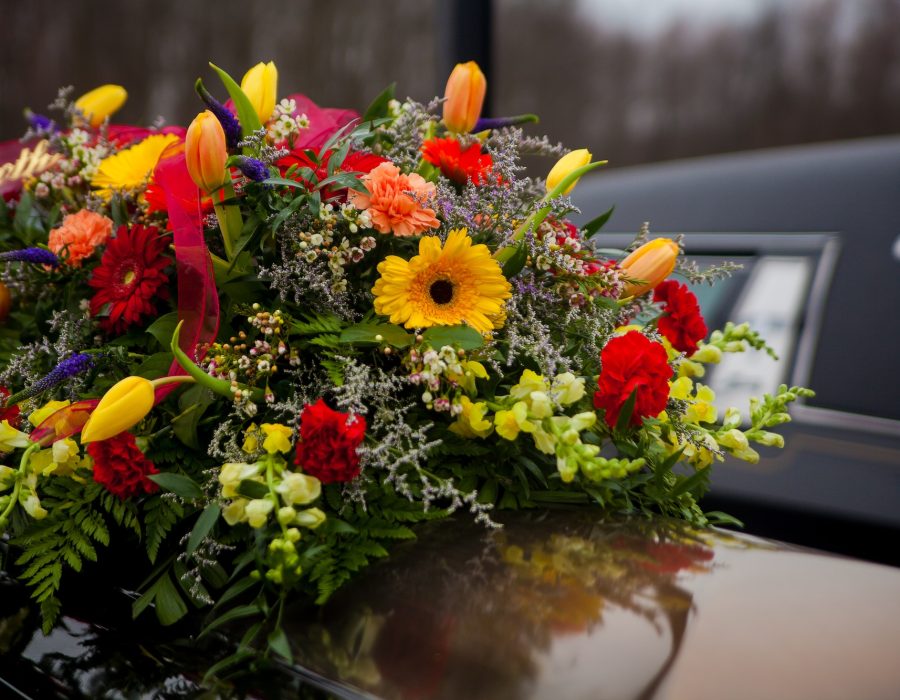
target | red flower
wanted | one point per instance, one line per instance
(129, 278)
(456, 164)
(356, 161)
(328, 442)
(632, 363)
(121, 467)
(681, 321)
(10, 414)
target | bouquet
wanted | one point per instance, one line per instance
(263, 348)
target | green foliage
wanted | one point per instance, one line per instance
(161, 513)
(68, 536)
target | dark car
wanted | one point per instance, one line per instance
(818, 231)
(556, 604)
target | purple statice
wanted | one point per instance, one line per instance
(70, 367)
(501, 122)
(40, 123)
(37, 256)
(230, 124)
(252, 168)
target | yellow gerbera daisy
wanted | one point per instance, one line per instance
(442, 286)
(132, 167)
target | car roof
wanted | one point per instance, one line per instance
(850, 189)
(568, 604)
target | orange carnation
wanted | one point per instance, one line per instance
(79, 235)
(395, 201)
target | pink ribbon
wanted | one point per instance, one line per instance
(198, 299)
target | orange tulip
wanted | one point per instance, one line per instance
(205, 152)
(650, 264)
(464, 97)
(101, 102)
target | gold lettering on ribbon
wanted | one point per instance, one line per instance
(28, 164)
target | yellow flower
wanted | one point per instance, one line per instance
(131, 169)
(235, 512)
(251, 439)
(471, 370)
(278, 438)
(101, 102)
(567, 388)
(39, 415)
(257, 511)
(509, 423)
(736, 442)
(529, 382)
(565, 165)
(260, 85)
(442, 285)
(299, 489)
(233, 473)
(61, 459)
(10, 438)
(123, 406)
(471, 423)
(701, 408)
(311, 518)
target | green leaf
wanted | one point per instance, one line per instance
(514, 265)
(202, 527)
(236, 589)
(594, 225)
(367, 334)
(278, 642)
(252, 489)
(246, 114)
(284, 182)
(464, 337)
(625, 412)
(233, 614)
(163, 328)
(192, 404)
(155, 365)
(170, 607)
(379, 106)
(178, 484)
(717, 517)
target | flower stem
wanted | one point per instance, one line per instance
(14, 497)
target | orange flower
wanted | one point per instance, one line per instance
(79, 235)
(395, 201)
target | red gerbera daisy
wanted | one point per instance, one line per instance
(456, 164)
(129, 278)
(681, 321)
(355, 161)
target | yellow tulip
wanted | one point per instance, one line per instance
(122, 407)
(651, 264)
(205, 152)
(464, 95)
(260, 84)
(101, 102)
(565, 165)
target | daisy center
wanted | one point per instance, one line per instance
(128, 277)
(441, 291)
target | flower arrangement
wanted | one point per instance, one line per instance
(266, 346)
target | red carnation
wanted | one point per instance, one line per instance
(328, 442)
(11, 414)
(129, 278)
(456, 164)
(121, 467)
(632, 363)
(681, 321)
